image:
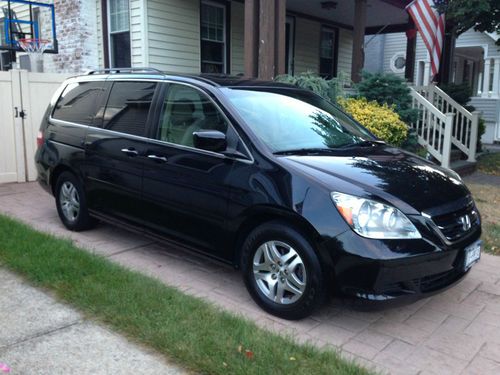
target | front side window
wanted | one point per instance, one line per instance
(185, 111)
(119, 33)
(288, 120)
(128, 107)
(213, 38)
(79, 102)
(327, 67)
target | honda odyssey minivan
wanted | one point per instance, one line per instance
(267, 177)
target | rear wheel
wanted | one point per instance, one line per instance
(282, 272)
(71, 203)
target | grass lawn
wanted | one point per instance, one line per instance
(193, 333)
(487, 198)
(489, 163)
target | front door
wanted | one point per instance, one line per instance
(186, 189)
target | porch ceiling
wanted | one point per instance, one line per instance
(379, 12)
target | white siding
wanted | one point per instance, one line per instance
(307, 35)
(174, 35)
(237, 37)
(393, 46)
(473, 38)
(345, 52)
(138, 41)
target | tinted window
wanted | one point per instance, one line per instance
(79, 102)
(185, 111)
(128, 107)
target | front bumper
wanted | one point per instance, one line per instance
(385, 270)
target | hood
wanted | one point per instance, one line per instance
(407, 181)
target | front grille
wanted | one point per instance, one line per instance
(458, 224)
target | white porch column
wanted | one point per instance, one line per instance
(427, 73)
(486, 78)
(496, 77)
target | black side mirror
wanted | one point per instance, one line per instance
(210, 140)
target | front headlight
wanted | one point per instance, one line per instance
(373, 219)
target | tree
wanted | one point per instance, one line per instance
(482, 15)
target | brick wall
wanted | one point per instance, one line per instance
(77, 36)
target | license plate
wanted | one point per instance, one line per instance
(472, 254)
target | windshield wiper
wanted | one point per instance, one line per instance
(365, 143)
(304, 151)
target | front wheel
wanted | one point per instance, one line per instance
(282, 272)
(71, 203)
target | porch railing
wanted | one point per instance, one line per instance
(465, 124)
(434, 128)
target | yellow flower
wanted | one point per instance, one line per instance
(381, 120)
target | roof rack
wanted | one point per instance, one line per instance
(126, 70)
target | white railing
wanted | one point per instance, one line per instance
(465, 124)
(433, 128)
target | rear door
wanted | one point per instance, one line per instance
(114, 151)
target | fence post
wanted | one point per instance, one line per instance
(448, 127)
(473, 136)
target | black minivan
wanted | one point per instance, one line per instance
(268, 177)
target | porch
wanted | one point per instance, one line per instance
(260, 38)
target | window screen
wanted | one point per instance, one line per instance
(213, 40)
(128, 107)
(327, 53)
(119, 33)
(79, 102)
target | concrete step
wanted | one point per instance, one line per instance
(463, 167)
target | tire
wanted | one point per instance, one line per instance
(71, 203)
(298, 269)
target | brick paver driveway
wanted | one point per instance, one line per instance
(455, 332)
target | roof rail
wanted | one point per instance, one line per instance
(126, 70)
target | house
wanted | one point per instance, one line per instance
(189, 36)
(253, 38)
(476, 62)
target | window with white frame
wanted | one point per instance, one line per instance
(119, 33)
(213, 37)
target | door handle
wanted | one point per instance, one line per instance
(129, 151)
(160, 159)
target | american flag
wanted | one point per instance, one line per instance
(430, 24)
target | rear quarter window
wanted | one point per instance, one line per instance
(79, 102)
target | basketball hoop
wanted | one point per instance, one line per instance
(35, 49)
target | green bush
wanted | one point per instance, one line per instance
(388, 89)
(381, 120)
(461, 93)
(329, 89)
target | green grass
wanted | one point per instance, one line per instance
(489, 163)
(193, 333)
(491, 238)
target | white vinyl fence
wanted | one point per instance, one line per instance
(30, 93)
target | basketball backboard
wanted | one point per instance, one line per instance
(20, 19)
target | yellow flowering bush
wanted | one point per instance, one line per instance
(381, 120)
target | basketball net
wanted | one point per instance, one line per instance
(35, 49)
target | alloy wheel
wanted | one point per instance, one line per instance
(279, 272)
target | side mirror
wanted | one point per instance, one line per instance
(210, 140)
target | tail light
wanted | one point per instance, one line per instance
(39, 139)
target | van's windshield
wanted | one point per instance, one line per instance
(289, 120)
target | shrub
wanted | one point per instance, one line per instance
(388, 89)
(461, 93)
(329, 89)
(381, 120)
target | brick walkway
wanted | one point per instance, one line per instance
(455, 332)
